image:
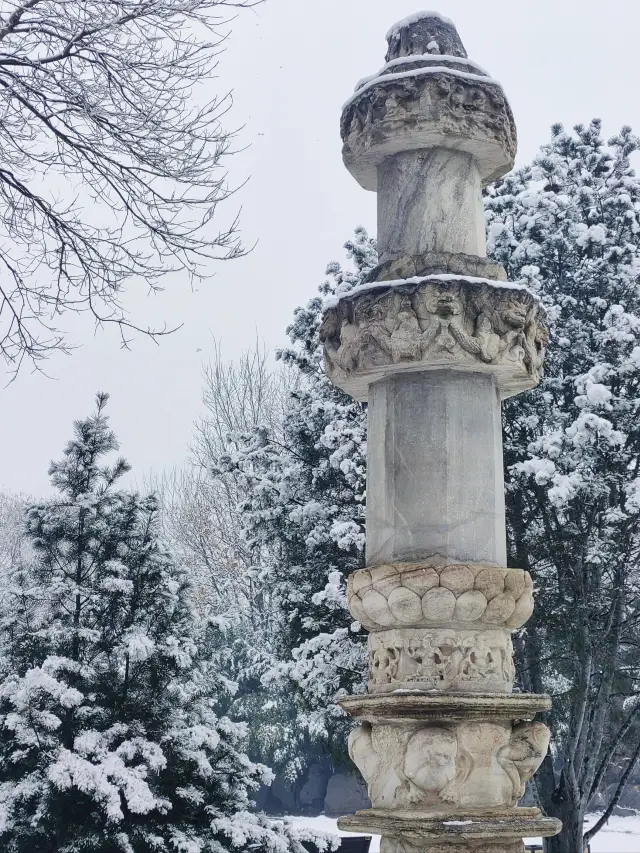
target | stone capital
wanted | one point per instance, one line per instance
(434, 323)
(428, 95)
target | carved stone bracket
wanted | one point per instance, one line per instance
(426, 594)
(433, 323)
(441, 659)
(479, 765)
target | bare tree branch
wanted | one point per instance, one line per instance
(110, 159)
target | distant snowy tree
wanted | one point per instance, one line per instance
(113, 731)
(200, 519)
(12, 537)
(569, 225)
(303, 516)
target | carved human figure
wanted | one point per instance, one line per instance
(347, 356)
(514, 317)
(430, 761)
(489, 342)
(536, 337)
(395, 109)
(458, 96)
(376, 329)
(405, 338)
(385, 662)
(329, 334)
(481, 660)
(524, 753)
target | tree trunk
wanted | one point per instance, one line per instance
(570, 840)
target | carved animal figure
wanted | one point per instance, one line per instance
(430, 761)
(443, 307)
(524, 753)
(405, 338)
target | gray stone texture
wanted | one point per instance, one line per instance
(430, 201)
(436, 263)
(424, 34)
(435, 483)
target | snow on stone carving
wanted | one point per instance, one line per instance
(430, 324)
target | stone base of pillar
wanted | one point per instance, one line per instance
(414, 832)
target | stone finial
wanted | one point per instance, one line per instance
(428, 95)
(422, 33)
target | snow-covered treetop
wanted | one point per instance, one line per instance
(79, 473)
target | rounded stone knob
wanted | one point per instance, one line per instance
(424, 32)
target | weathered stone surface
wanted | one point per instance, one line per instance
(392, 708)
(441, 659)
(424, 33)
(430, 200)
(436, 263)
(413, 827)
(478, 765)
(431, 324)
(448, 501)
(436, 107)
(394, 845)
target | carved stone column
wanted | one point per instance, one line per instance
(433, 342)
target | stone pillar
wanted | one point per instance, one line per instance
(433, 342)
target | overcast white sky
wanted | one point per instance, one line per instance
(292, 63)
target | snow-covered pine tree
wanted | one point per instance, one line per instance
(569, 224)
(113, 737)
(304, 517)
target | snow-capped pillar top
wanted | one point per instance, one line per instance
(424, 32)
(426, 133)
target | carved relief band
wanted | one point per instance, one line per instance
(429, 594)
(475, 765)
(443, 102)
(435, 322)
(441, 659)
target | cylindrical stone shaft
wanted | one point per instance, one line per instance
(434, 476)
(430, 201)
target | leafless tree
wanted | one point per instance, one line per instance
(111, 151)
(200, 503)
(13, 545)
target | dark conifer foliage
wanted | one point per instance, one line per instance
(113, 736)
